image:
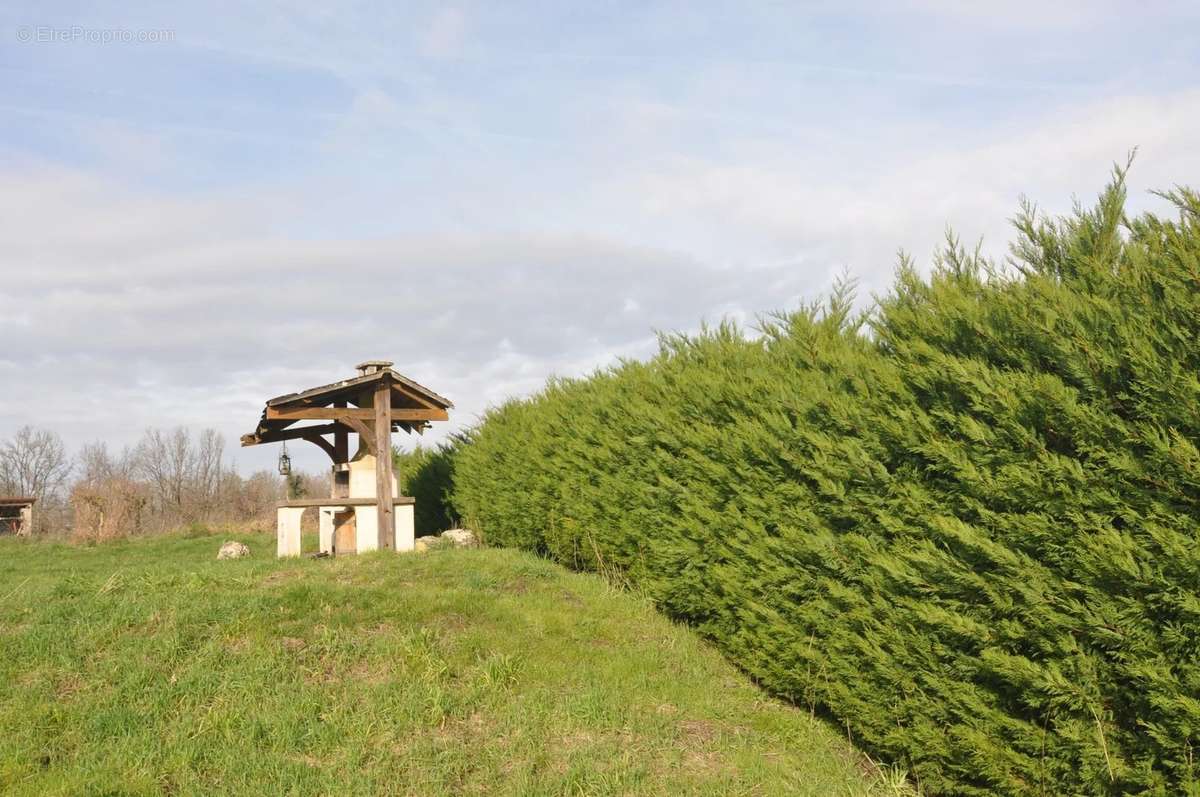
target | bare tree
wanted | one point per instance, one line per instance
(169, 478)
(253, 497)
(186, 476)
(163, 459)
(95, 464)
(34, 462)
(207, 470)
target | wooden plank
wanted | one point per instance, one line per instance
(400, 500)
(420, 415)
(406, 414)
(386, 525)
(413, 395)
(345, 413)
(345, 533)
(318, 413)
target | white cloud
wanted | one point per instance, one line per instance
(152, 311)
(446, 33)
(1024, 15)
(821, 208)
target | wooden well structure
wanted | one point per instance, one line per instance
(364, 511)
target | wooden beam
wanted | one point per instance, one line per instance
(402, 500)
(419, 415)
(341, 440)
(364, 431)
(318, 413)
(303, 432)
(345, 413)
(295, 433)
(386, 524)
(414, 395)
(324, 444)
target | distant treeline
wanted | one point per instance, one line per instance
(963, 524)
(169, 479)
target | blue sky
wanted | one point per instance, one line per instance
(194, 224)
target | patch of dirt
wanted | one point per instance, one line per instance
(573, 741)
(699, 731)
(463, 730)
(381, 629)
(707, 763)
(279, 577)
(29, 679)
(13, 629)
(450, 622)
(373, 673)
(237, 644)
(68, 686)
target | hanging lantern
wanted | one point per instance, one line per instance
(285, 462)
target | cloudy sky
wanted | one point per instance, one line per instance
(202, 208)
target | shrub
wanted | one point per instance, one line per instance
(107, 509)
(426, 474)
(964, 525)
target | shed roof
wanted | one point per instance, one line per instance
(18, 500)
(325, 394)
(407, 394)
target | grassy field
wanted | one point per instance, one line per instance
(147, 667)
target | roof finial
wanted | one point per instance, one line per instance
(373, 366)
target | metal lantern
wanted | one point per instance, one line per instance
(285, 462)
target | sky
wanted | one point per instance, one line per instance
(204, 206)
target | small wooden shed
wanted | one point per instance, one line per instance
(16, 515)
(364, 511)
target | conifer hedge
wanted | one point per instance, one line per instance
(964, 525)
(426, 474)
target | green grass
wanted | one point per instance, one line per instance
(147, 667)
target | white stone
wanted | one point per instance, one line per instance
(233, 550)
(461, 537)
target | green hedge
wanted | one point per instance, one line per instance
(964, 526)
(426, 473)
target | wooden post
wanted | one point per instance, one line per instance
(341, 441)
(383, 464)
(341, 456)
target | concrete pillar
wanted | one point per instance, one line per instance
(287, 530)
(406, 536)
(26, 528)
(326, 527)
(362, 477)
(366, 523)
